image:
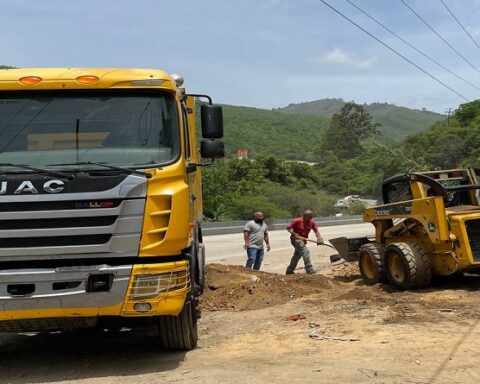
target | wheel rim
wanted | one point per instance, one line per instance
(368, 266)
(396, 267)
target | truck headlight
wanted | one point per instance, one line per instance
(149, 286)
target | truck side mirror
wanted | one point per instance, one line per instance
(212, 121)
(211, 149)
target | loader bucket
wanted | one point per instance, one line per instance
(348, 248)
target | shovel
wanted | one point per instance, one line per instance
(333, 258)
(314, 241)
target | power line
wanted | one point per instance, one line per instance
(394, 51)
(460, 24)
(413, 47)
(440, 36)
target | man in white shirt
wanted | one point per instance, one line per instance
(255, 233)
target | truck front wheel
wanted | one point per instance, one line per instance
(179, 332)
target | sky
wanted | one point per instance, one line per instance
(258, 53)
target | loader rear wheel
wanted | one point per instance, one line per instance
(179, 332)
(407, 266)
(371, 263)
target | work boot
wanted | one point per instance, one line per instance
(289, 272)
(311, 271)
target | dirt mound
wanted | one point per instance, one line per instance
(338, 290)
(238, 288)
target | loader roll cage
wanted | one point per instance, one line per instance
(397, 188)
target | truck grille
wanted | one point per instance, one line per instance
(87, 224)
(473, 231)
(56, 205)
(72, 222)
(57, 241)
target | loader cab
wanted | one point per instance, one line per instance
(396, 189)
(457, 187)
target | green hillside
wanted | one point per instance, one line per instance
(272, 133)
(397, 122)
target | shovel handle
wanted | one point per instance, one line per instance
(313, 241)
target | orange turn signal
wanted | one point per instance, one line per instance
(30, 80)
(87, 79)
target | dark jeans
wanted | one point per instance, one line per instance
(254, 258)
(301, 252)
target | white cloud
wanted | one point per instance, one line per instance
(474, 31)
(339, 56)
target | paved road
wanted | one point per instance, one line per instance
(228, 249)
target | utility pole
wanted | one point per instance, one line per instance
(449, 112)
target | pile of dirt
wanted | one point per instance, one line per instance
(238, 288)
(338, 290)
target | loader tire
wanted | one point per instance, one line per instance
(407, 266)
(179, 333)
(371, 263)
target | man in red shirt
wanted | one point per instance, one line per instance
(299, 229)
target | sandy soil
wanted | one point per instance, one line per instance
(260, 327)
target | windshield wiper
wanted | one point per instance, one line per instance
(117, 168)
(39, 170)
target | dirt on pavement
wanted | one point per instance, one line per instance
(260, 327)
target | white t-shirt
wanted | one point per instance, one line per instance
(256, 233)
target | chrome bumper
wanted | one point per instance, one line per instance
(63, 287)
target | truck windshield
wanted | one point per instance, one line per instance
(118, 128)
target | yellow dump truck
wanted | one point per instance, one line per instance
(428, 225)
(101, 200)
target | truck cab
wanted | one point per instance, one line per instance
(101, 200)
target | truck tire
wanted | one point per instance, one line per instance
(179, 332)
(371, 262)
(407, 266)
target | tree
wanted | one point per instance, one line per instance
(450, 150)
(216, 196)
(346, 131)
(467, 112)
(278, 170)
(229, 180)
(243, 207)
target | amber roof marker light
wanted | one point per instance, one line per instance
(87, 79)
(30, 80)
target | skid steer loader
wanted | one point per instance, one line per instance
(429, 224)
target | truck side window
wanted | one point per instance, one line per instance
(186, 131)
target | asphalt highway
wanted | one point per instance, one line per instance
(228, 249)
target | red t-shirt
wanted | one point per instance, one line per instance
(302, 228)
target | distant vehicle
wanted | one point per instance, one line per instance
(347, 201)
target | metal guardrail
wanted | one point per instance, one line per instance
(227, 227)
